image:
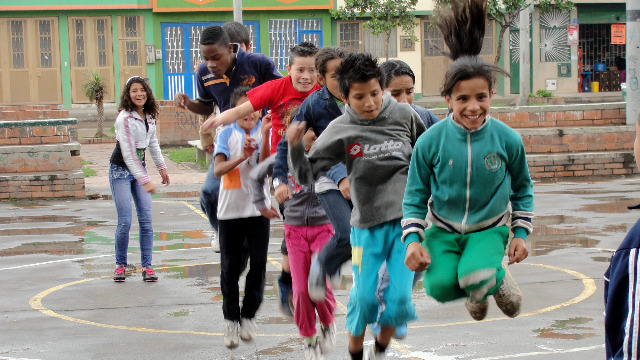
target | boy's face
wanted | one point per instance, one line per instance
(303, 73)
(402, 89)
(470, 101)
(248, 122)
(329, 79)
(365, 98)
(217, 57)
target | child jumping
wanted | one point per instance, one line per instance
(307, 230)
(374, 139)
(469, 173)
(239, 221)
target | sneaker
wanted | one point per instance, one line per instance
(119, 275)
(401, 331)
(317, 280)
(312, 352)
(285, 298)
(148, 274)
(336, 279)
(327, 338)
(215, 242)
(371, 354)
(247, 329)
(508, 297)
(477, 308)
(231, 340)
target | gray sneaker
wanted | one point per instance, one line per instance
(327, 340)
(477, 308)
(312, 352)
(371, 354)
(247, 329)
(317, 280)
(508, 297)
(215, 242)
(231, 340)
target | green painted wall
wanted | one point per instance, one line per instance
(602, 13)
(182, 4)
(62, 3)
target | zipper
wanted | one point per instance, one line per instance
(466, 208)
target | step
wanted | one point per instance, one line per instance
(577, 139)
(55, 184)
(582, 164)
(41, 158)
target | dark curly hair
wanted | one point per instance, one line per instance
(304, 49)
(150, 106)
(393, 68)
(358, 67)
(327, 54)
(214, 35)
(462, 26)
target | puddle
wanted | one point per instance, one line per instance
(51, 248)
(569, 329)
(558, 232)
(285, 347)
(610, 205)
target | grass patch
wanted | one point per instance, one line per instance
(185, 154)
(84, 162)
(88, 172)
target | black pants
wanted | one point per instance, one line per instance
(233, 233)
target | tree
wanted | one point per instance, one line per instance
(95, 88)
(386, 15)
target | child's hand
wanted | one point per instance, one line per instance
(249, 147)
(345, 189)
(282, 193)
(417, 258)
(518, 250)
(270, 213)
(209, 124)
(266, 124)
(150, 187)
(165, 177)
(181, 100)
(295, 132)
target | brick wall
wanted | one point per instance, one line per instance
(30, 112)
(176, 126)
(40, 159)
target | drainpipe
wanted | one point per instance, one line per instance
(525, 50)
(237, 11)
(633, 57)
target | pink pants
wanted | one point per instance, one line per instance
(302, 241)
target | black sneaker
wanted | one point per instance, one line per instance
(148, 274)
(119, 275)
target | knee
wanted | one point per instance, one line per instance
(124, 222)
(442, 289)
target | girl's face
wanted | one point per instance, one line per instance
(303, 73)
(138, 95)
(365, 98)
(248, 122)
(329, 79)
(402, 89)
(470, 100)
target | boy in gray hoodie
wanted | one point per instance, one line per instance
(374, 138)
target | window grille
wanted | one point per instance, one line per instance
(131, 25)
(102, 42)
(195, 33)
(174, 45)
(287, 33)
(44, 33)
(433, 40)
(553, 36)
(595, 43)
(17, 44)
(349, 36)
(375, 44)
(80, 38)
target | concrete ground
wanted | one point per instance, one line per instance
(59, 301)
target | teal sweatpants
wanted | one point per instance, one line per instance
(468, 265)
(370, 247)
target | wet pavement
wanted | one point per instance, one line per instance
(59, 302)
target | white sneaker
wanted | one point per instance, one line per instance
(371, 354)
(231, 334)
(247, 329)
(336, 279)
(312, 352)
(215, 242)
(509, 297)
(317, 280)
(327, 340)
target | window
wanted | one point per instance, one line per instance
(355, 37)
(44, 34)
(174, 47)
(433, 40)
(17, 44)
(553, 36)
(287, 33)
(132, 40)
(102, 42)
(80, 38)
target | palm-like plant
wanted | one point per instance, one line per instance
(95, 88)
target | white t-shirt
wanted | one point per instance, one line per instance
(234, 201)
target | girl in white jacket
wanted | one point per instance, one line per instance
(135, 132)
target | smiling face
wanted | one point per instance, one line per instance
(138, 96)
(470, 101)
(248, 122)
(218, 58)
(365, 98)
(402, 89)
(330, 80)
(303, 73)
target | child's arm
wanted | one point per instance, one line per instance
(265, 145)
(257, 177)
(521, 199)
(228, 116)
(223, 166)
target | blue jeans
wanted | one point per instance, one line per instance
(338, 250)
(124, 187)
(209, 197)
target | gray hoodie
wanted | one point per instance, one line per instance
(303, 209)
(376, 153)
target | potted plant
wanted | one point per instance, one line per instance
(95, 88)
(544, 97)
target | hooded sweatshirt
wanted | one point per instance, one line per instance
(376, 153)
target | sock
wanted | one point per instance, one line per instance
(310, 340)
(358, 355)
(285, 277)
(379, 348)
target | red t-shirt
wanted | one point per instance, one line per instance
(281, 97)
